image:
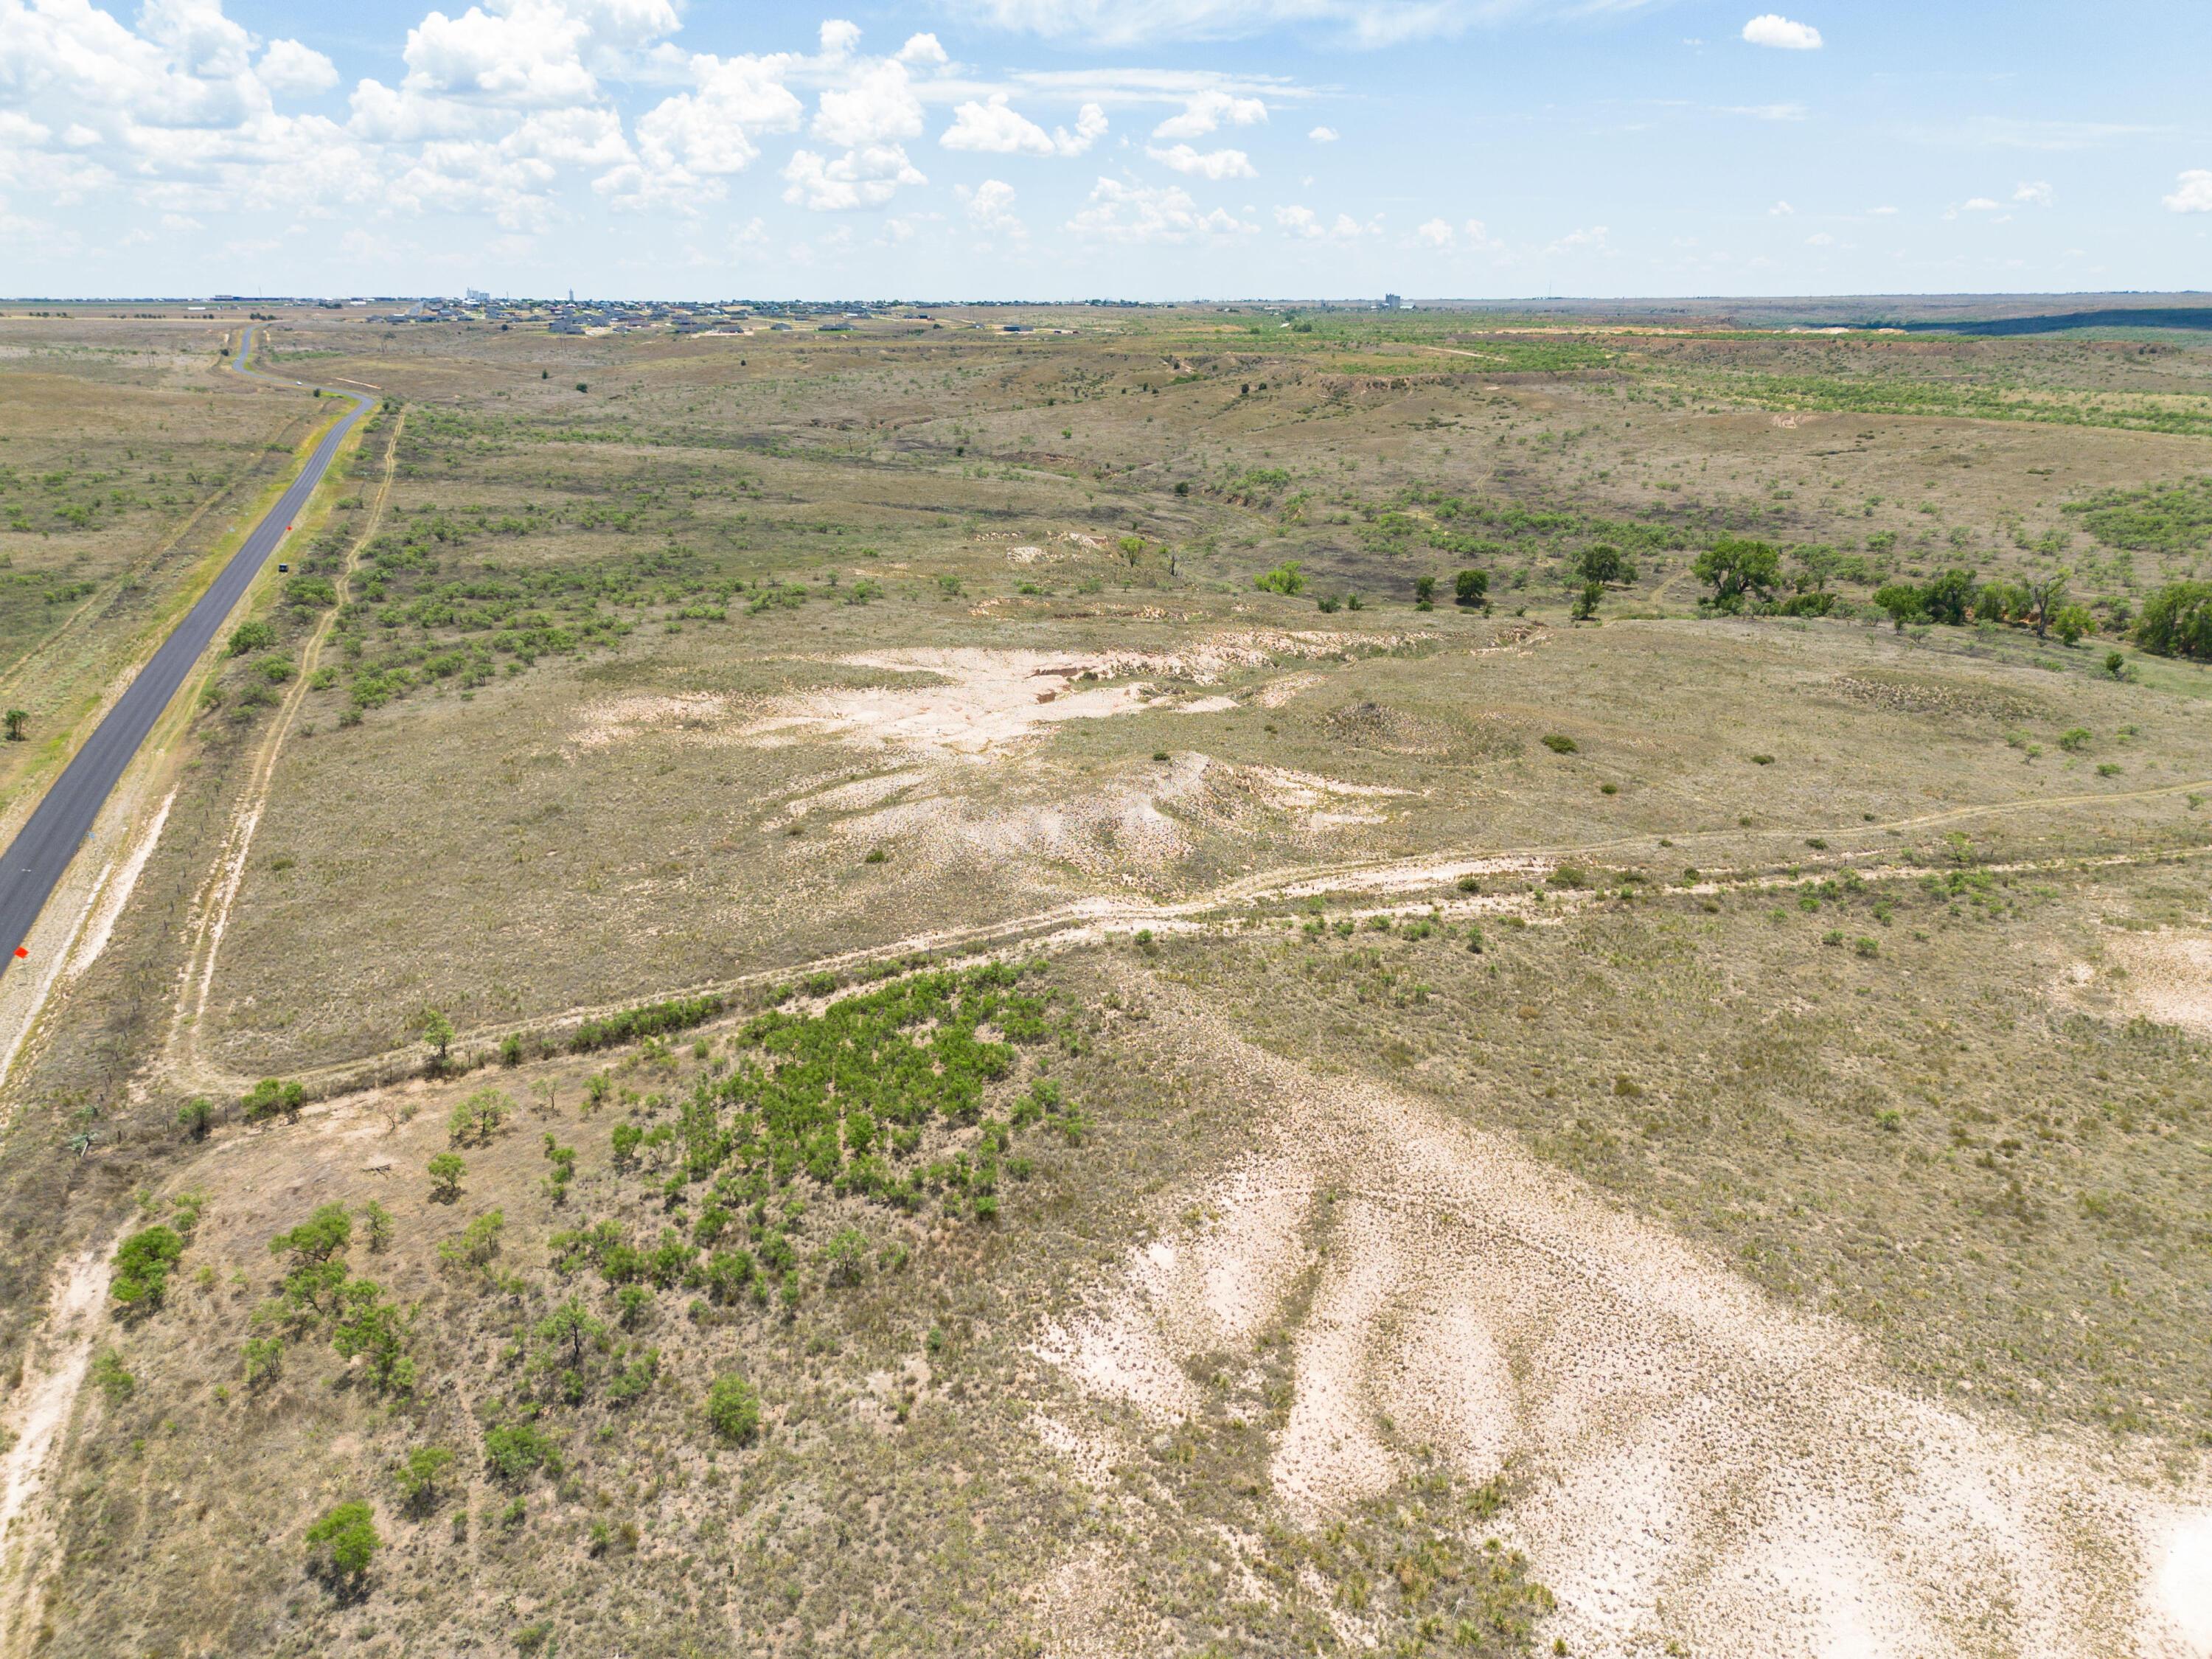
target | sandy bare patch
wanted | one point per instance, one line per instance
(1708, 1466)
(1117, 829)
(977, 699)
(53, 1375)
(2166, 976)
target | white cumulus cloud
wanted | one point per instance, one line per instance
(1772, 29)
(1205, 164)
(863, 178)
(2034, 193)
(995, 129)
(1141, 22)
(876, 106)
(288, 66)
(2192, 193)
(1207, 112)
(1305, 224)
(1324, 134)
(991, 207)
(1121, 211)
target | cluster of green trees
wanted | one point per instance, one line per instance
(840, 1101)
(653, 1019)
(1954, 599)
(144, 1260)
(319, 1291)
(2177, 622)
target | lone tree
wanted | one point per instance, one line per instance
(1603, 562)
(1737, 570)
(342, 1544)
(572, 1325)
(17, 719)
(418, 1474)
(2045, 594)
(477, 1117)
(1472, 587)
(445, 1172)
(1586, 601)
(196, 1116)
(438, 1032)
(733, 1409)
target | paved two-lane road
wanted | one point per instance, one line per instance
(35, 863)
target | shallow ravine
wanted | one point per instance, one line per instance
(1697, 1464)
(54, 1374)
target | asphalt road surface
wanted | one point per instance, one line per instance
(36, 862)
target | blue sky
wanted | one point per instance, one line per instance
(1129, 149)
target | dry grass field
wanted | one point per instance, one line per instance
(924, 991)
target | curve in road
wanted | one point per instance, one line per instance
(40, 855)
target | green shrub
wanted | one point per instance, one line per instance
(2070, 622)
(1559, 743)
(845, 1258)
(515, 1451)
(446, 1170)
(651, 1020)
(475, 1244)
(734, 1410)
(270, 1098)
(344, 1542)
(250, 636)
(418, 1474)
(142, 1263)
(264, 1360)
(2177, 622)
(108, 1374)
(1285, 578)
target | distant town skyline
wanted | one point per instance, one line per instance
(1110, 148)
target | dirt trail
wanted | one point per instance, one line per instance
(212, 915)
(1704, 1466)
(54, 1372)
(1080, 921)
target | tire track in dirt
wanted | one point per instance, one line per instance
(212, 915)
(1080, 921)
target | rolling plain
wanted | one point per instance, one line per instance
(1094, 980)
